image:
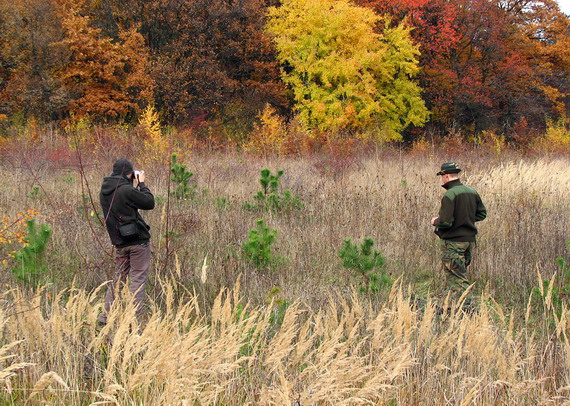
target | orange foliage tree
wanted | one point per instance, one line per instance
(107, 79)
(27, 61)
(546, 33)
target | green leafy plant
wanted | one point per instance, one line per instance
(222, 203)
(271, 197)
(68, 178)
(29, 259)
(368, 262)
(181, 176)
(258, 249)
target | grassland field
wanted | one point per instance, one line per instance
(219, 330)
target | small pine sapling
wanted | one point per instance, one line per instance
(181, 176)
(34, 192)
(270, 198)
(368, 263)
(257, 249)
(29, 258)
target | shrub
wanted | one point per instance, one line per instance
(421, 146)
(13, 231)
(557, 136)
(257, 249)
(271, 198)
(155, 144)
(270, 135)
(491, 141)
(340, 156)
(368, 263)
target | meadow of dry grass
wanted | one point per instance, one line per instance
(344, 353)
(216, 335)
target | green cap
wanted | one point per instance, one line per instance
(449, 167)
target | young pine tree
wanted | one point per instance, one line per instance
(368, 263)
(29, 259)
(271, 197)
(181, 176)
(257, 249)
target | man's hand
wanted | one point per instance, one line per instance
(140, 178)
(433, 221)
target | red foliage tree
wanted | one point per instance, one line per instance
(484, 66)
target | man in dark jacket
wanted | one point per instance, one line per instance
(461, 207)
(129, 233)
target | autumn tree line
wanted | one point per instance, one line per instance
(379, 68)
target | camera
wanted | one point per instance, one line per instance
(137, 174)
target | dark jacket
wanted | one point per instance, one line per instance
(461, 207)
(120, 202)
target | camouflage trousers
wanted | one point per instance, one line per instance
(456, 257)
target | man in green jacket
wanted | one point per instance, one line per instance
(461, 207)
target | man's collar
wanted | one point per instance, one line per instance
(451, 183)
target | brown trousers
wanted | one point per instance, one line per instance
(132, 262)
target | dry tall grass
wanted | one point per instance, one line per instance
(345, 353)
(332, 347)
(386, 196)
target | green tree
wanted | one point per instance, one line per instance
(180, 177)
(258, 248)
(368, 262)
(343, 74)
(271, 197)
(30, 264)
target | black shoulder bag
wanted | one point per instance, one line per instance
(129, 231)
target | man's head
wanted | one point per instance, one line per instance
(123, 167)
(449, 171)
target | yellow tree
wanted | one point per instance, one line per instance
(547, 46)
(108, 79)
(343, 75)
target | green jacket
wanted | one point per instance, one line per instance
(461, 207)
